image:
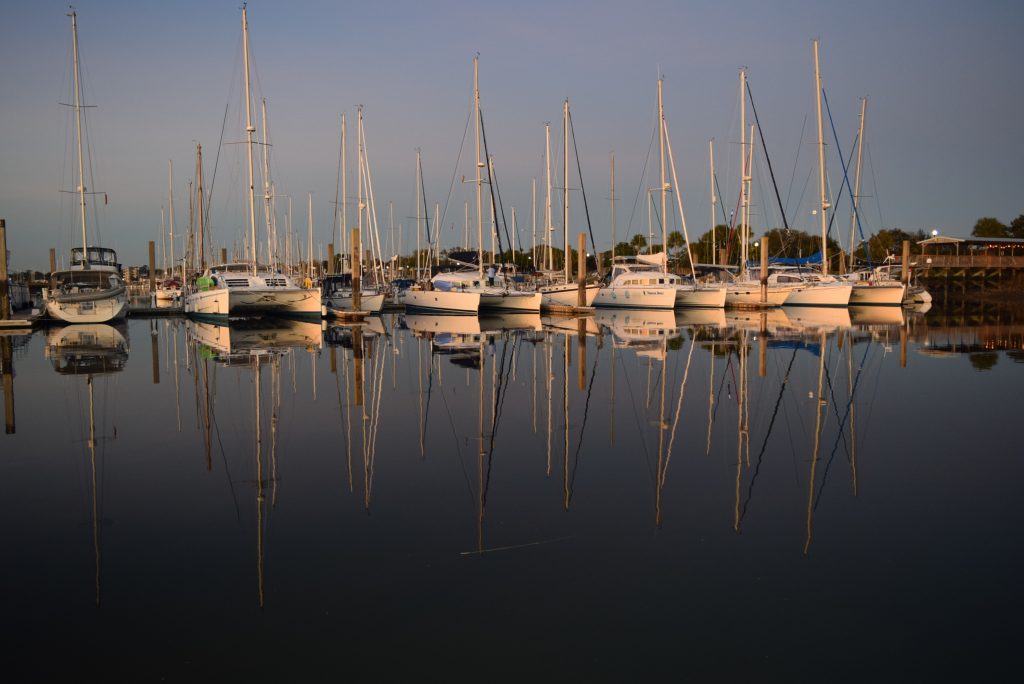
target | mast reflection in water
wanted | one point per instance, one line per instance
(607, 495)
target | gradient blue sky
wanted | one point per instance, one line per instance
(943, 81)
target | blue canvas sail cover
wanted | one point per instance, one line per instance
(790, 261)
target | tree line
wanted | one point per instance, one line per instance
(988, 226)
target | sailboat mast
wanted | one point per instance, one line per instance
(613, 205)
(479, 165)
(309, 240)
(743, 172)
(266, 183)
(78, 130)
(170, 196)
(821, 164)
(548, 256)
(344, 192)
(565, 187)
(856, 178)
(661, 149)
(714, 199)
(419, 216)
(199, 204)
(249, 130)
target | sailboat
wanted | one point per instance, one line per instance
(559, 292)
(91, 289)
(823, 290)
(495, 295)
(239, 289)
(870, 287)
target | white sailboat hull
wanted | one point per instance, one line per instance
(701, 297)
(825, 294)
(512, 300)
(438, 301)
(636, 297)
(865, 294)
(565, 296)
(101, 308)
(749, 294)
(253, 301)
(368, 301)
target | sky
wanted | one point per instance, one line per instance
(942, 147)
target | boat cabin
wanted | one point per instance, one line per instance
(94, 256)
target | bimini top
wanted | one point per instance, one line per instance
(97, 256)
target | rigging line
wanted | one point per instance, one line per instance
(842, 424)
(216, 164)
(455, 171)
(501, 207)
(495, 414)
(768, 433)
(583, 190)
(426, 213)
(586, 412)
(846, 180)
(491, 182)
(718, 396)
(874, 186)
(640, 185)
(796, 160)
(764, 148)
(636, 417)
(841, 437)
(337, 192)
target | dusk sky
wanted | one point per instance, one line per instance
(942, 141)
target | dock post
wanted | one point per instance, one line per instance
(330, 258)
(905, 265)
(764, 271)
(903, 345)
(581, 346)
(357, 360)
(762, 346)
(53, 265)
(7, 363)
(223, 255)
(357, 270)
(152, 266)
(581, 270)
(154, 348)
(5, 296)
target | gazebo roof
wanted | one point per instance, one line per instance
(941, 240)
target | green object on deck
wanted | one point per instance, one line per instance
(204, 282)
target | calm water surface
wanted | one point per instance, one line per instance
(803, 495)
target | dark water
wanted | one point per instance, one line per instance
(811, 496)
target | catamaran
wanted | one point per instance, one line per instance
(240, 289)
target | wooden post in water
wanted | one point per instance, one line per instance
(154, 351)
(5, 295)
(152, 266)
(762, 343)
(764, 271)
(357, 270)
(903, 343)
(905, 263)
(7, 362)
(223, 255)
(334, 361)
(581, 270)
(357, 353)
(53, 265)
(330, 258)
(581, 345)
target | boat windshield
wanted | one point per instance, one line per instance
(99, 256)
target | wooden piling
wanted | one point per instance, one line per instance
(7, 362)
(764, 271)
(357, 270)
(581, 345)
(223, 255)
(5, 295)
(357, 352)
(154, 351)
(53, 266)
(581, 270)
(905, 264)
(152, 266)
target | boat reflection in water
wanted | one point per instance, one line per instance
(90, 350)
(252, 345)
